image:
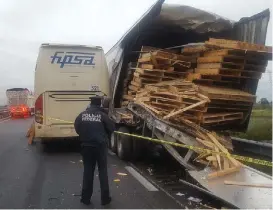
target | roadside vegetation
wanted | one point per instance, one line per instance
(260, 125)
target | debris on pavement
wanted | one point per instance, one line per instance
(72, 162)
(197, 200)
(121, 174)
(179, 194)
(150, 170)
(116, 180)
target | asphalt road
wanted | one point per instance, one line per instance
(50, 176)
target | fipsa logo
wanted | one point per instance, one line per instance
(73, 58)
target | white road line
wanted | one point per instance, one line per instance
(4, 120)
(141, 179)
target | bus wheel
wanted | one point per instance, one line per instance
(113, 142)
(124, 144)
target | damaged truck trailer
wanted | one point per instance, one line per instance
(179, 74)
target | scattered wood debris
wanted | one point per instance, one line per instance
(247, 184)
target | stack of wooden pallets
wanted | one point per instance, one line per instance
(221, 69)
(207, 106)
(174, 100)
(156, 65)
(226, 105)
(229, 68)
(233, 66)
(229, 63)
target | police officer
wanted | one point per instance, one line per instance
(94, 128)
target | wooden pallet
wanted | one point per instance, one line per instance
(208, 118)
(167, 95)
(231, 102)
(257, 58)
(216, 108)
(230, 72)
(169, 107)
(226, 94)
(232, 44)
(222, 59)
(218, 83)
(224, 52)
(222, 78)
(225, 65)
(162, 54)
(193, 49)
(161, 100)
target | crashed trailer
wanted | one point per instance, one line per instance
(169, 26)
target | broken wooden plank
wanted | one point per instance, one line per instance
(218, 158)
(185, 109)
(247, 184)
(222, 172)
(226, 163)
(148, 107)
(223, 149)
(193, 76)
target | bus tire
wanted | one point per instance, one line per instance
(124, 143)
(113, 143)
(44, 141)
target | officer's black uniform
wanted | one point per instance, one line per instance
(94, 128)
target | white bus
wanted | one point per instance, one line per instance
(66, 76)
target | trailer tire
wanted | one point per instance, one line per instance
(124, 144)
(113, 143)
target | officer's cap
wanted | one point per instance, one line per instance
(96, 100)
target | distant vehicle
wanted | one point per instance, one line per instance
(20, 102)
(66, 76)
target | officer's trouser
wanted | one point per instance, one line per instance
(91, 156)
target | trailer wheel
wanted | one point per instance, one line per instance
(124, 144)
(113, 142)
(138, 148)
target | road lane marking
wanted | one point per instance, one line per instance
(141, 179)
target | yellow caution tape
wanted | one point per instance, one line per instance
(238, 157)
(194, 148)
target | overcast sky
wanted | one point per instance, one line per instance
(25, 24)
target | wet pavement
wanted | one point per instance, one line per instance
(50, 176)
